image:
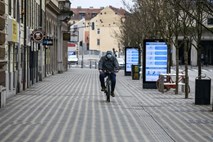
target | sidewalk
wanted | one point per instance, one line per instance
(70, 107)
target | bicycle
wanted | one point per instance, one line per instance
(169, 83)
(108, 84)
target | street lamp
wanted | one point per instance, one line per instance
(65, 12)
(64, 5)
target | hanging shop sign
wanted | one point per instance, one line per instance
(12, 30)
(66, 36)
(37, 36)
(48, 42)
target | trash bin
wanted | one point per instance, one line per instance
(135, 72)
(202, 91)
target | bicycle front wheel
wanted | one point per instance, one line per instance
(108, 90)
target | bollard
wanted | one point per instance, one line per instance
(90, 64)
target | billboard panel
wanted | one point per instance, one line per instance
(132, 57)
(155, 61)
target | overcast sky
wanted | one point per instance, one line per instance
(98, 3)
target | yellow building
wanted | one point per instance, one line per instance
(100, 29)
(104, 35)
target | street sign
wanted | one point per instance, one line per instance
(48, 42)
(37, 36)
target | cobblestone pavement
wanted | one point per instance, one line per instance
(70, 107)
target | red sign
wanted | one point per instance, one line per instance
(71, 44)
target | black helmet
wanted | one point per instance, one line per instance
(109, 52)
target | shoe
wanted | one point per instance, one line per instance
(103, 88)
(113, 94)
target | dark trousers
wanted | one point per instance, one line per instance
(113, 79)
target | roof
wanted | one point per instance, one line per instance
(92, 12)
(119, 11)
(89, 13)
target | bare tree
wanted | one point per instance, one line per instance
(171, 20)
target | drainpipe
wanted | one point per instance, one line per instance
(25, 46)
(39, 45)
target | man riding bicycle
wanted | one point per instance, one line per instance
(108, 63)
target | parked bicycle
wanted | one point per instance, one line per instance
(169, 83)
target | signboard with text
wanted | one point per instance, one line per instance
(155, 59)
(132, 57)
(48, 42)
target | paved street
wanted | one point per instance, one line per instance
(70, 107)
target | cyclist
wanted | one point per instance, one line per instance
(109, 63)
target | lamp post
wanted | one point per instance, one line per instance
(25, 43)
(82, 54)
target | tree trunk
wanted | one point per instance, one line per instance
(169, 57)
(186, 67)
(177, 64)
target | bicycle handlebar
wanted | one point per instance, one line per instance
(106, 71)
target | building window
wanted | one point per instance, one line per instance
(210, 21)
(82, 15)
(9, 7)
(98, 31)
(93, 15)
(98, 41)
(22, 11)
(14, 9)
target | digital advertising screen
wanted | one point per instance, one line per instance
(132, 57)
(154, 62)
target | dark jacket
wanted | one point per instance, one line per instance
(108, 64)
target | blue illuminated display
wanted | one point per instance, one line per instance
(155, 60)
(132, 58)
